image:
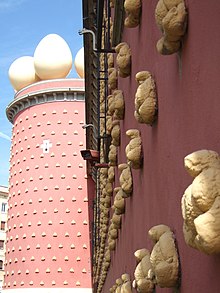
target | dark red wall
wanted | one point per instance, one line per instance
(188, 87)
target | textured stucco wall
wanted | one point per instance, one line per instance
(188, 87)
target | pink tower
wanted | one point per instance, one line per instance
(48, 247)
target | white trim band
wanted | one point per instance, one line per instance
(48, 290)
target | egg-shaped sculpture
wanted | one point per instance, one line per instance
(52, 57)
(22, 73)
(79, 62)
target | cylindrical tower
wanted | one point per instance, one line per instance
(48, 248)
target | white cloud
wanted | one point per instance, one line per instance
(2, 135)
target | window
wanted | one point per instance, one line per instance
(1, 244)
(1, 264)
(2, 226)
(80, 97)
(4, 206)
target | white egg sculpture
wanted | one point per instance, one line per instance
(52, 57)
(22, 72)
(79, 62)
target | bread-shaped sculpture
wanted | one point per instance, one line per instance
(112, 155)
(125, 179)
(116, 220)
(111, 243)
(201, 202)
(126, 286)
(164, 257)
(143, 275)
(119, 201)
(112, 78)
(111, 174)
(115, 133)
(113, 232)
(109, 121)
(122, 285)
(145, 98)
(123, 59)
(171, 18)
(116, 105)
(133, 13)
(133, 149)
(110, 60)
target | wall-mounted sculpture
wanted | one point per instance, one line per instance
(106, 260)
(201, 202)
(126, 284)
(110, 58)
(113, 232)
(161, 266)
(109, 121)
(106, 201)
(111, 174)
(102, 106)
(164, 257)
(115, 224)
(113, 288)
(171, 18)
(108, 188)
(122, 285)
(111, 27)
(107, 255)
(112, 236)
(112, 78)
(144, 278)
(119, 105)
(115, 133)
(145, 98)
(109, 234)
(116, 220)
(111, 105)
(102, 260)
(125, 179)
(133, 13)
(123, 59)
(119, 201)
(106, 194)
(112, 3)
(102, 251)
(112, 155)
(116, 105)
(103, 177)
(134, 149)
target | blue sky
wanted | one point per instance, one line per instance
(23, 23)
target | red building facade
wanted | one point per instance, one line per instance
(187, 85)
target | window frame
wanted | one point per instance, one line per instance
(4, 207)
(3, 243)
(3, 226)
